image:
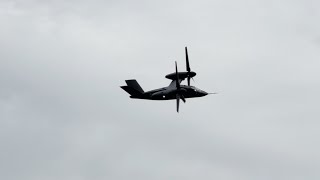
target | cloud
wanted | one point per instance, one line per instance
(63, 115)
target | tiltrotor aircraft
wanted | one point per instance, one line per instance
(174, 91)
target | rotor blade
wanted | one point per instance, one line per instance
(182, 98)
(177, 77)
(178, 101)
(187, 60)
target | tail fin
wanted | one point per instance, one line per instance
(135, 85)
(133, 88)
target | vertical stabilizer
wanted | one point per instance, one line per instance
(135, 85)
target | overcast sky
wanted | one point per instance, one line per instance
(63, 115)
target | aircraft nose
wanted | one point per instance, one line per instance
(203, 93)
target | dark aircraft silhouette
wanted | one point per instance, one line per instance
(174, 91)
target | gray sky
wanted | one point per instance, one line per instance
(63, 115)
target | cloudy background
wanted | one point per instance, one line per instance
(63, 115)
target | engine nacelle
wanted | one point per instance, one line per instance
(182, 75)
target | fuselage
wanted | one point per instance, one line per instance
(167, 93)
